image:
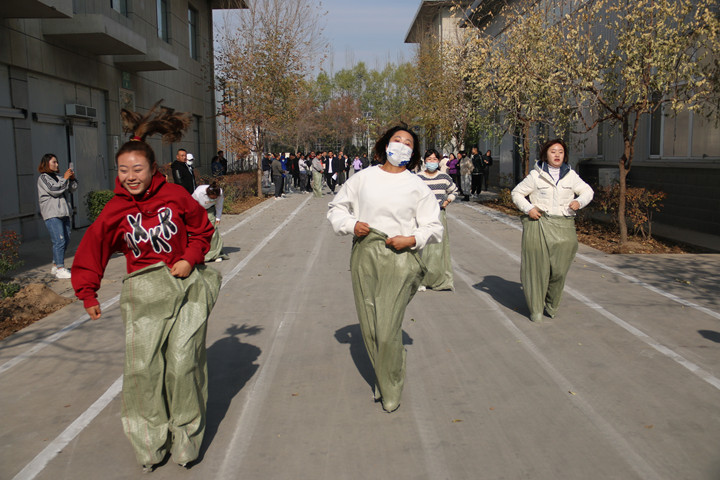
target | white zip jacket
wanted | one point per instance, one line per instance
(552, 198)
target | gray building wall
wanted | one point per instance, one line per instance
(680, 157)
(47, 63)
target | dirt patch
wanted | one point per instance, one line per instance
(30, 304)
(242, 204)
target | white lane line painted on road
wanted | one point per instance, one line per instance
(614, 438)
(84, 318)
(36, 466)
(262, 244)
(247, 219)
(515, 224)
(250, 411)
(33, 468)
(44, 342)
(639, 334)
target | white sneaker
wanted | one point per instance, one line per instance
(53, 270)
(421, 288)
(218, 259)
(62, 272)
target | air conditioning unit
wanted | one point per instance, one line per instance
(80, 111)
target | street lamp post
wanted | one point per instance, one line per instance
(368, 119)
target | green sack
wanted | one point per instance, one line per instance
(165, 377)
(384, 281)
(549, 246)
(437, 259)
(216, 243)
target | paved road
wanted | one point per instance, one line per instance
(623, 384)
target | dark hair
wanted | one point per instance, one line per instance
(546, 146)
(430, 152)
(158, 119)
(181, 150)
(382, 143)
(44, 166)
(213, 189)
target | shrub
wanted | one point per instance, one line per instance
(9, 260)
(235, 187)
(640, 203)
(505, 198)
(96, 201)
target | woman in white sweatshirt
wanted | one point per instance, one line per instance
(211, 198)
(392, 214)
(549, 241)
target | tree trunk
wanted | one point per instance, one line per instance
(526, 148)
(629, 136)
(259, 177)
(621, 200)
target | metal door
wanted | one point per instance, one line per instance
(89, 168)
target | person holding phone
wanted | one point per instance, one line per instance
(54, 199)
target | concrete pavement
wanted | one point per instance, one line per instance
(622, 384)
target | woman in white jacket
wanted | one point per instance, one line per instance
(549, 240)
(392, 214)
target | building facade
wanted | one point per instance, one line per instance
(67, 68)
(679, 155)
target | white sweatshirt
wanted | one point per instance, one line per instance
(201, 196)
(394, 203)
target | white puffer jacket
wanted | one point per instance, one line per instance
(551, 198)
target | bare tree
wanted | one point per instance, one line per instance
(262, 64)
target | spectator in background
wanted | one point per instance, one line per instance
(223, 162)
(476, 187)
(466, 169)
(216, 166)
(317, 172)
(55, 209)
(453, 169)
(182, 173)
(266, 169)
(487, 162)
(277, 176)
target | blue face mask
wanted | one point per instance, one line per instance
(431, 167)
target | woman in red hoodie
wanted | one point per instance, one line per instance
(166, 296)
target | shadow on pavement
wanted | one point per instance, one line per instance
(710, 335)
(505, 292)
(352, 335)
(231, 364)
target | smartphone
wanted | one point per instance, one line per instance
(70, 166)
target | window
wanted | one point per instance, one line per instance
(162, 20)
(119, 6)
(193, 33)
(685, 135)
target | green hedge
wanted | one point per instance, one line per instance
(96, 201)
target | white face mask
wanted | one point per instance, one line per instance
(398, 153)
(431, 166)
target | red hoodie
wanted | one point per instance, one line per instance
(166, 225)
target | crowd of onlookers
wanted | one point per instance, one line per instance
(294, 172)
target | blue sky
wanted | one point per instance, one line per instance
(370, 31)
